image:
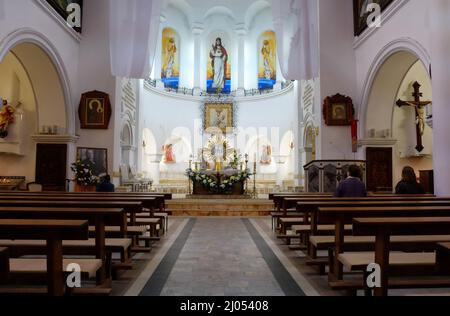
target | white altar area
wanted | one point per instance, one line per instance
(273, 172)
(220, 70)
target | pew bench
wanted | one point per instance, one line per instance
(54, 231)
(38, 267)
(154, 224)
(20, 248)
(4, 264)
(384, 228)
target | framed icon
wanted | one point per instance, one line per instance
(219, 116)
(338, 110)
(95, 110)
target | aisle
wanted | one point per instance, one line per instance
(220, 256)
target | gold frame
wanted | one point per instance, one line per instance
(219, 106)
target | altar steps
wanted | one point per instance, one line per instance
(220, 207)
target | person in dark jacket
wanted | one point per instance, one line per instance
(352, 186)
(409, 184)
(106, 185)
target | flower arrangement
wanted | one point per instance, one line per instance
(236, 160)
(215, 185)
(84, 175)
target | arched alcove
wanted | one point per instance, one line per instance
(48, 75)
(385, 126)
(38, 80)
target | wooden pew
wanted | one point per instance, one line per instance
(342, 215)
(54, 232)
(99, 217)
(160, 199)
(308, 207)
(4, 265)
(319, 227)
(384, 228)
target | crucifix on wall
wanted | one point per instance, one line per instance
(419, 107)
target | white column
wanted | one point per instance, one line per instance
(241, 32)
(155, 174)
(440, 51)
(197, 31)
(158, 62)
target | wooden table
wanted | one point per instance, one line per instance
(54, 232)
(100, 217)
(384, 228)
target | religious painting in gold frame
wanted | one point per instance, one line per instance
(95, 110)
(338, 110)
(218, 117)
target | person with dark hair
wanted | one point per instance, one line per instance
(409, 184)
(106, 185)
(352, 186)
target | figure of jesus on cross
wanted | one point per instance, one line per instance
(419, 106)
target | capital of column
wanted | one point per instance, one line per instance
(197, 28)
(241, 29)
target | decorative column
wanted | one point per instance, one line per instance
(241, 32)
(197, 31)
(440, 50)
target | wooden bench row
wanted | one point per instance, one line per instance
(97, 211)
(318, 215)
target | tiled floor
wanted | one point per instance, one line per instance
(220, 258)
(225, 256)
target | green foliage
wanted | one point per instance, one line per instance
(218, 186)
(83, 174)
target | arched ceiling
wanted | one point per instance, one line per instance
(241, 12)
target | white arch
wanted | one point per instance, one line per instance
(255, 8)
(405, 44)
(219, 10)
(28, 35)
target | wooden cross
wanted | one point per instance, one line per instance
(419, 106)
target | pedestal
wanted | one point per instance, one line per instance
(84, 188)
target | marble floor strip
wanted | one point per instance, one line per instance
(159, 278)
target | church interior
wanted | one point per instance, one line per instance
(209, 148)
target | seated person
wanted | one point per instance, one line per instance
(409, 184)
(106, 185)
(352, 186)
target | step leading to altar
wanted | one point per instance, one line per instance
(223, 206)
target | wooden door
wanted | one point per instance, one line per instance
(51, 166)
(379, 169)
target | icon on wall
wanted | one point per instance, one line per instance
(95, 110)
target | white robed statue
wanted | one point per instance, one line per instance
(219, 60)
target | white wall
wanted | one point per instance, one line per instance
(167, 115)
(337, 72)
(94, 73)
(27, 16)
(410, 22)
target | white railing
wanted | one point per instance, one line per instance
(152, 84)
